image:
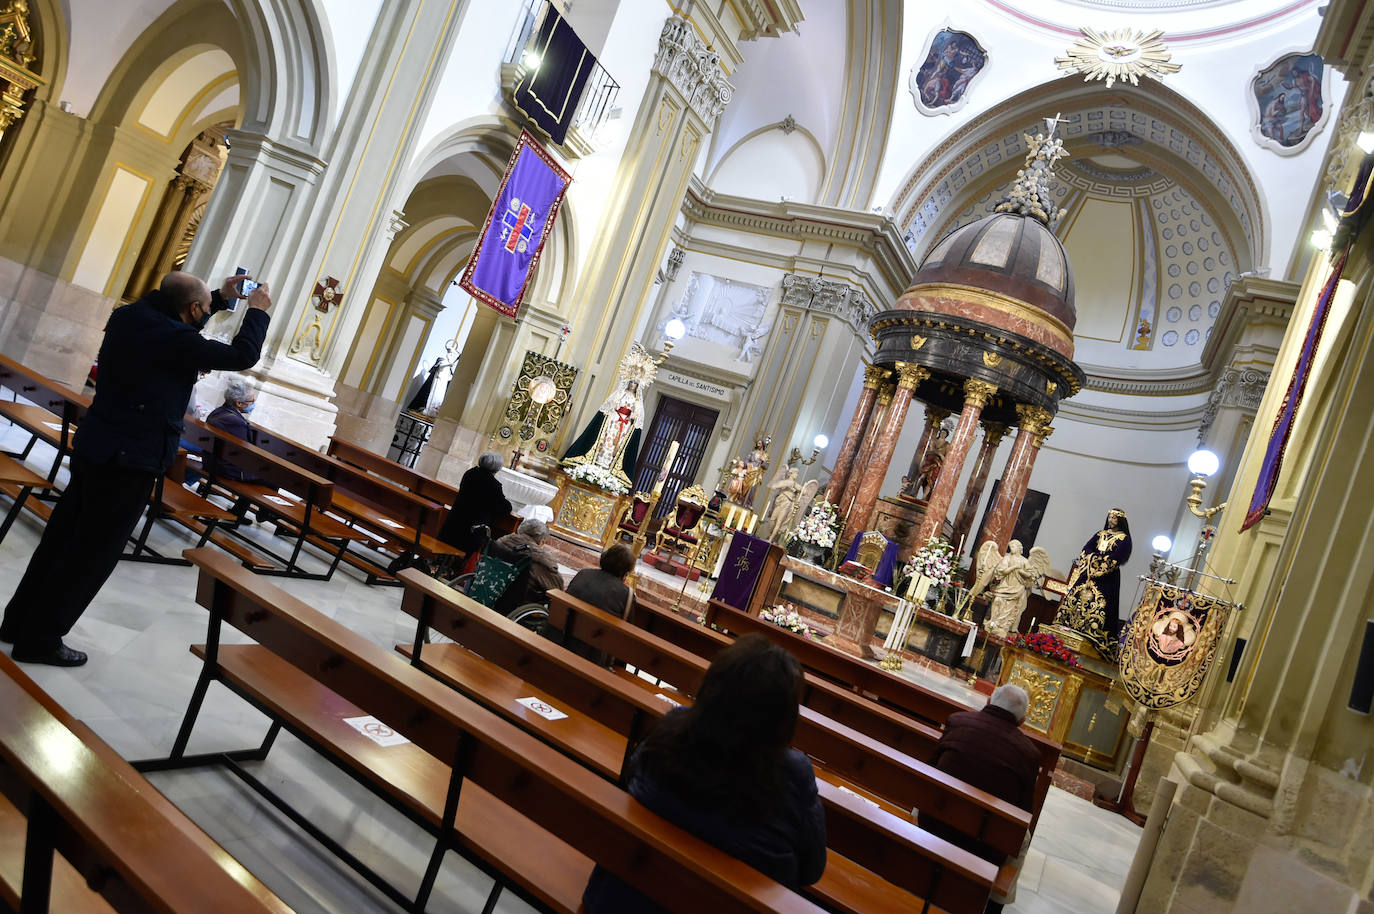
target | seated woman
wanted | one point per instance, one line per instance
(480, 502)
(723, 770)
(605, 587)
(528, 540)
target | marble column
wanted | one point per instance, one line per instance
(870, 434)
(993, 433)
(976, 396)
(1034, 428)
(934, 416)
(871, 476)
(849, 449)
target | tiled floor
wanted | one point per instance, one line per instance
(133, 693)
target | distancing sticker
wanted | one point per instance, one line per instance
(542, 708)
(376, 731)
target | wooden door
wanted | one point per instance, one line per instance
(688, 424)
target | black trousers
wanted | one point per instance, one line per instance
(78, 551)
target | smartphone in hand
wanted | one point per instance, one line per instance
(246, 287)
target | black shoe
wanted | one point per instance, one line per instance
(61, 656)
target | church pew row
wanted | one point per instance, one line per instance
(52, 417)
(570, 617)
(526, 814)
(407, 477)
(873, 680)
(82, 831)
(608, 715)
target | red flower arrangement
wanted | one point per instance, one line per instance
(1046, 645)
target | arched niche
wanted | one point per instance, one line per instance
(780, 161)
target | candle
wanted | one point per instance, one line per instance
(753, 519)
(667, 468)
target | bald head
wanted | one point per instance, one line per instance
(184, 292)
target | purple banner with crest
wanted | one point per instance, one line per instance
(520, 220)
(739, 575)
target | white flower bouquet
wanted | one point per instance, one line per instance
(935, 560)
(598, 476)
(820, 526)
(785, 616)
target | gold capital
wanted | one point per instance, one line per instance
(978, 393)
(1040, 436)
(910, 376)
(886, 394)
(993, 433)
(873, 376)
(1033, 420)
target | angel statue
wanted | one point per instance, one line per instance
(1013, 576)
(784, 508)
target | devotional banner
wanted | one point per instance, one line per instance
(521, 217)
(1170, 645)
(739, 574)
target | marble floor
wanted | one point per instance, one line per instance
(133, 693)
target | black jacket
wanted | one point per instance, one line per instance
(149, 362)
(479, 501)
(788, 847)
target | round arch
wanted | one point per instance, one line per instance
(1170, 130)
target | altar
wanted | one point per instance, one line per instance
(862, 612)
(583, 512)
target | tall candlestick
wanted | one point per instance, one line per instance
(667, 467)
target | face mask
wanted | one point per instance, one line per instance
(200, 324)
(247, 409)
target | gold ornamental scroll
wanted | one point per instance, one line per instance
(1170, 645)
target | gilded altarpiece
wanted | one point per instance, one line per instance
(585, 513)
(1070, 705)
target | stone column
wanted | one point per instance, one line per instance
(849, 450)
(993, 433)
(884, 443)
(1034, 429)
(870, 433)
(976, 396)
(934, 417)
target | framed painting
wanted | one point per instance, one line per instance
(1288, 104)
(940, 83)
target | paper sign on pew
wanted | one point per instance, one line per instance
(542, 708)
(55, 426)
(376, 731)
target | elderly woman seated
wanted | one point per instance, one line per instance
(528, 540)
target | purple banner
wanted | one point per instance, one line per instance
(520, 220)
(740, 573)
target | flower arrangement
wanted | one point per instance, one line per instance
(598, 476)
(820, 526)
(935, 560)
(785, 615)
(1046, 645)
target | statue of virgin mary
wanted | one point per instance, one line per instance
(611, 438)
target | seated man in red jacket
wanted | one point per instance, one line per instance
(986, 749)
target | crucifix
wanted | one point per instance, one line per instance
(1052, 122)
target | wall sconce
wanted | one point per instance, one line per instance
(673, 331)
(818, 444)
(1161, 545)
(1202, 463)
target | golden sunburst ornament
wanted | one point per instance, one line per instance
(1125, 54)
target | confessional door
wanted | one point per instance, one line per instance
(674, 420)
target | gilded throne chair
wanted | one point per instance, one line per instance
(682, 532)
(634, 519)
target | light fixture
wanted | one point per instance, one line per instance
(531, 60)
(1321, 239)
(673, 331)
(818, 444)
(1162, 544)
(543, 389)
(1329, 220)
(1202, 463)
(1365, 141)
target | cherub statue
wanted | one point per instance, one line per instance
(784, 503)
(1012, 576)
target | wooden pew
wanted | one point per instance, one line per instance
(96, 835)
(408, 477)
(18, 481)
(519, 809)
(872, 680)
(864, 836)
(304, 515)
(574, 618)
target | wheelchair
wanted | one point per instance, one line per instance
(501, 581)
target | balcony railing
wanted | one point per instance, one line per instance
(598, 94)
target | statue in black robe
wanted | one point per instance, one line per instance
(1093, 602)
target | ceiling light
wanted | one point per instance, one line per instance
(1321, 240)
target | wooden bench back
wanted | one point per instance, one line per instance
(898, 778)
(42, 391)
(664, 659)
(888, 688)
(218, 446)
(595, 816)
(102, 816)
(383, 496)
(399, 473)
